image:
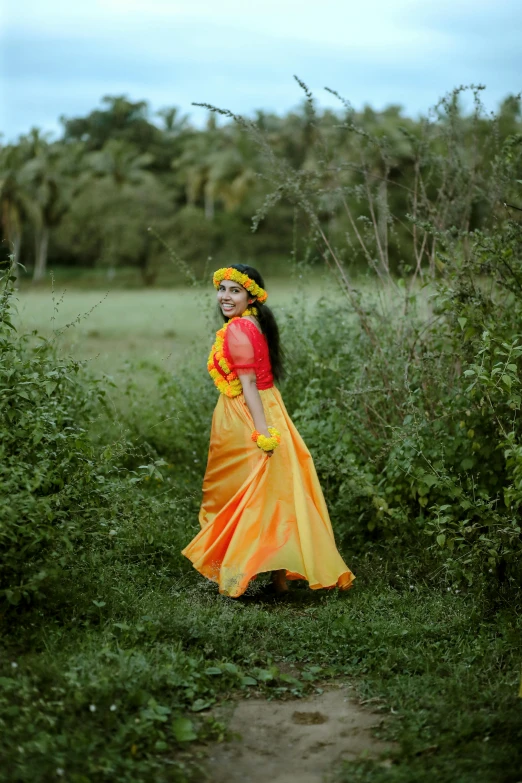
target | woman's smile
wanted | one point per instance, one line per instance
(232, 298)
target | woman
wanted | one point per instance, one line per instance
(263, 508)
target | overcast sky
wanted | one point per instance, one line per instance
(60, 57)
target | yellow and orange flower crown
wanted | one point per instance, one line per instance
(229, 273)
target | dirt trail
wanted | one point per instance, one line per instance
(294, 741)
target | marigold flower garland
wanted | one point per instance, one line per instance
(230, 385)
(267, 444)
(229, 273)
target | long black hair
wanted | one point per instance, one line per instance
(267, 322)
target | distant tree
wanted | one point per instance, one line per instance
(174, 124)
(121, 120)
(109, 218)
(218, 167)
(16, 204)
(364, 173)
(50, 174)
(120, 162)
(509, 115)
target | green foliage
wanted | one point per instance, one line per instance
(354, 176)
(50, 473)
(107, 226)
(65, 480)
(414, 422)
(169, 426)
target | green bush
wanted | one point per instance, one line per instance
(414, 422)
(51, 476)
(66, 484)
(173, 425)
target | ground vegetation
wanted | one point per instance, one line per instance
(405, 383)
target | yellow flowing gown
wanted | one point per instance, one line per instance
(262, 513)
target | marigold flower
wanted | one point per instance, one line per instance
(225, 379)
(264, 443)
(230, 273)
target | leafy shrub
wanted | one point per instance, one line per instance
(174, 423)
(57, 482)
(414, 424)
(48, 469)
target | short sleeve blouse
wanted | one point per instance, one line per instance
(246, 349)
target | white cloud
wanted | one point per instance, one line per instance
(360, 26)
(63, 56)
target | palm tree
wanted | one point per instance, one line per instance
(15, 201)
(119, 175)
(121, 163)
(229, 179)
(174, 124)
(50, 174)
(121, 119)
(217, 167)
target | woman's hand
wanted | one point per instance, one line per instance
(254, 404)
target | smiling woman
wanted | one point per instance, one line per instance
(263, 509)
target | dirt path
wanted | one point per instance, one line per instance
(295, 741)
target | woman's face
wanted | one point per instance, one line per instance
(233, 299)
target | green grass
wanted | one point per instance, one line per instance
(112, 675)
(118, 681)
(158, 326)
(170, 275)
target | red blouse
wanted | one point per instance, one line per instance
(246, 348)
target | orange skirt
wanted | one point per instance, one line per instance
(262, 513)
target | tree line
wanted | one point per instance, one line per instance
(124, 187)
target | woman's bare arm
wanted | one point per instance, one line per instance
(253, 401)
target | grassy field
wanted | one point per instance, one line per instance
(157, 326)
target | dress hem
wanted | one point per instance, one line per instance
(344, 581)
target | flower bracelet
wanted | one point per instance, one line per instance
(267, 444)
